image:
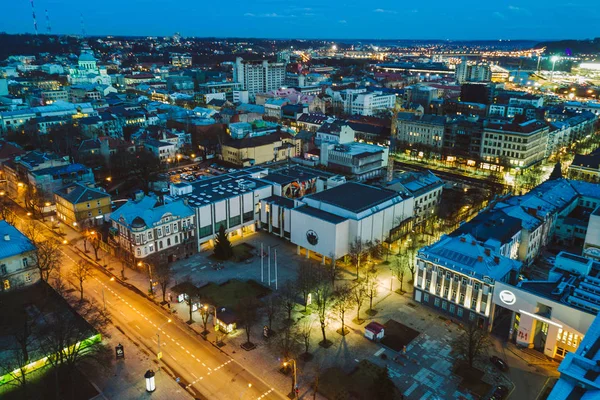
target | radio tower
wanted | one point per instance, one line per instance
(34, 19)
(82, 26)
(48, 28)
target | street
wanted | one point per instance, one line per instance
(202, 369)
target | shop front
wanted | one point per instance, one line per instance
(536, 321)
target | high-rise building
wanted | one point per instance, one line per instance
(467, 72)
(258, 76)
(181, 60)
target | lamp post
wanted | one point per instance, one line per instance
(140, 264)
(293, 394)
(554, 59)
(245, 390)
(159, 355)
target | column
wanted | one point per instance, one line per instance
(324, 259)
(298, 248)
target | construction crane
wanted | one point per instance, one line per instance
(34, 19)
(48, 28)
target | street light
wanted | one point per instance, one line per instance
(244, 392)
(150, 384)
(294, 384)
(159, 354)
(140, 264)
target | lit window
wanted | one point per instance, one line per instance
(6, 284)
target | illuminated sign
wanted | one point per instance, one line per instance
(508, 297)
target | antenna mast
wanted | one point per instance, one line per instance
(48, 28)
(82, 26)
(34, 19)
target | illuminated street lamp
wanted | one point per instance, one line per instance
(150, 384)
(140, 264)
(294, 394)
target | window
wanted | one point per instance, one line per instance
(167, 229)
(444, 305)
(28, 278)
(88, 205)
(159, 232)
(98, 203)
(473, 303)
(452, 308)
(476, 285)
(175, 227)
(25, 263)
(205, 231)
(6, 284)
(436, 302)
(168, 241)
(176, 239)
(472, 316)
(150, 235)
(426, 297)
(99, 211)
(459, 312)
(462, 298)
(3, 270)
(160, 245)
(138, 251)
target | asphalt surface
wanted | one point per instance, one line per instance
(201, 367)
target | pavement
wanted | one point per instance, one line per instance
(203, 370)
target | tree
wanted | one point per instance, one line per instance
(359, 293)
(82, 271)
(371, 286)
(6, 213)
(343, 300)
(142, 166)
(223, 249)
(272, 307)
(383, 387)
(304, 332)
(288, 298)
(305, 280)
(95, 239)
(163, 275)
(472, 343)
(204, 313)
(333, 270)
(247, 314)
(286, 343)
(399, 268)
(357, 252)
(323, 291)
(47, 258)
(190, 300)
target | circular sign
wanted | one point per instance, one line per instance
(508, 297)
(312, 237)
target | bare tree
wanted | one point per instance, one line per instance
(304, 332)
(323, 292)
(357, 252)
(82, 271)
(272, 308)
(343, 300)
(163, 275)
(247, 314)
(32, 231)
(286, 343)
(6, 212)
(359, 293)
(333, 270)
(190, 300)
(204, 313)
(399, 268)
(472, 343)
(371, 286)
(47, 258)
(305, 280)
(288, 298)
(95, 240)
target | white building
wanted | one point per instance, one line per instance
(473, 72)
(146, 230)
(87, 71)
(425, 187)
(258, 76)
(17, 262)
(164, 151)
(362, 102)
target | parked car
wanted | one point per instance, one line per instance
(499, 363)
(500, 392)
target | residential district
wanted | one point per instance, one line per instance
(256, 219)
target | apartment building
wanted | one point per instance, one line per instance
(425, 129)
(258, 76)
(17, 266)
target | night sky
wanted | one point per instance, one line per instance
(380, 19)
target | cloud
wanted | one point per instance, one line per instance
(519, 10)
(309, 14)
(381, 10)
(499, 15)
(343, 21)
(249, 15)
(269, 15)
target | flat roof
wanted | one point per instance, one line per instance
(355, 197)
(324, 215)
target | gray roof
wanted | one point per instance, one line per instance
(355, 197)
(324, 215)
(77, 193)
(17, 243)
(149, 212)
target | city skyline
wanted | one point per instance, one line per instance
(532, 20)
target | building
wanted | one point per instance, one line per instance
(457, 276)
(262, 149)
(181, 60)
(515, 144)
(591, 245)
(361, 101)
(44, 182)
(147, 231)
(470, 72)
(87, 70)
(17, 261)
(82, 206)
(163, 150)
(420, 130)
(359, 161)
(425, 187)
(258, 76)
(579, 375)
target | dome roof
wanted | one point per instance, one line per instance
(138, 222)
(86, 57)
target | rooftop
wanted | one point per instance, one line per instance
(16, 244)
(324, 215)
(354, 197)
(77, 193)
(147, 212)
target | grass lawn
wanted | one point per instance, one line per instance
(336, 385)
(397, 335)
(229, 294)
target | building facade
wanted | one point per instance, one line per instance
(17, 259)
(81, 206)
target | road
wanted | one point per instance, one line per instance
(204, 370)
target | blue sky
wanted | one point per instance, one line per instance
(378, 19)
